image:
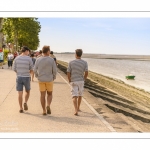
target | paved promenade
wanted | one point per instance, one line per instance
(61, 119)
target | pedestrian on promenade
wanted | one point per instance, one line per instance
(53, 56)
(45, 71)
(15, 55)
(40, 54)
(33, 60)
(1, 58)
(10, 58)
(77, 72)
(23, 66)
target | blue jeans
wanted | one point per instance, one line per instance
(23, 81)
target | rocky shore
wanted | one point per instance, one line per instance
(117, 95)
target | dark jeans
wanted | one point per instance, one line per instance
(10, 63)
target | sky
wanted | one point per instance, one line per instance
(96, 35)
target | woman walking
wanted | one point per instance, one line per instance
(10, 58)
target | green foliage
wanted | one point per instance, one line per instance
(22, 31)
(5, 51)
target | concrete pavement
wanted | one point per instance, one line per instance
(61, 119)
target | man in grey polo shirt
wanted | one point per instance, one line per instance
(23, 66)
(45, 70)
(77, 72)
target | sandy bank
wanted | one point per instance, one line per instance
(117, 86)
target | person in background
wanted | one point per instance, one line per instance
(33, 60)
(10, 58)
(15, 55)
(23, 66)
(45, 71)
(1, 59)
(53, 56)
(77, 73)
(40, 54)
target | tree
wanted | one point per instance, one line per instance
(1, 42)
(22, 31)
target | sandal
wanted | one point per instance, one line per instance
(25, 106)
(21, 111)
(48, 110)
(76, 114)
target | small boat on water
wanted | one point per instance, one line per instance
(130, 76)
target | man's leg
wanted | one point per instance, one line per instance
(79, 102)
(75, 105)
(11, 64)
(32, 76)
(49, 100)
(20, 99)
(49, 87)
(42, 98)
(19, 88)
(27, 94)
(26, 82)
(8, 64)
(80, 91)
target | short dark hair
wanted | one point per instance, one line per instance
(51, 52)
(32, 55)
(40, 52)
(45, 49)
(79, 52)
(25, 48)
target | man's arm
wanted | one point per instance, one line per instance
(31, 66)
(14, 66)
(86, 71)
(69, 72)
(35, 69)
(54, 70)
(69, 76)
(85, 75)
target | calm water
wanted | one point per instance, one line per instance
(118, 69)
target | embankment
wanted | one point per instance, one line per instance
(118, 96)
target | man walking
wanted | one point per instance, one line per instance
(77, 72)
(45, 71)
(23, 66)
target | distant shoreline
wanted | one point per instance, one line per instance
(113, 56)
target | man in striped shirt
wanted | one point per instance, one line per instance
(23, 66)
(77, 72)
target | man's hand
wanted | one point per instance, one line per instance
(69, 76)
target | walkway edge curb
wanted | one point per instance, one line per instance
(94, 111)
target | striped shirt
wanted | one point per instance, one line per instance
(22, 66)
(77, 68)
(45, 69)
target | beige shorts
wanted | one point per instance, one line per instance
(77, 88)
(46, 86)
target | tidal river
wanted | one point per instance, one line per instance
(118, 69)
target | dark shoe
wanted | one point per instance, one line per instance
(21, 111)
(44, 113)
(76, 114)
(48, 110)
(25, 106)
